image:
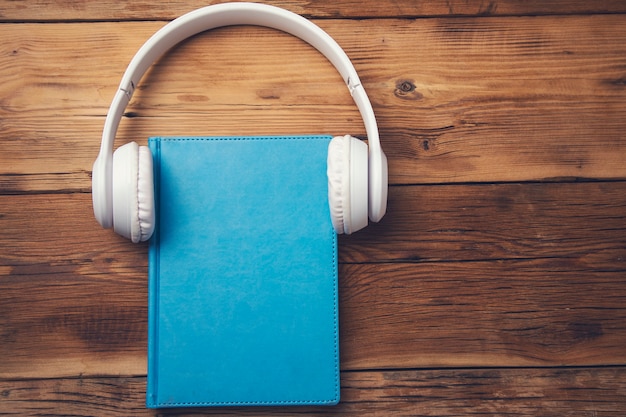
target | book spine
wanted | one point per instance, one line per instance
(153, 277)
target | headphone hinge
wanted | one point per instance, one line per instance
(353, 84)
(128, 90)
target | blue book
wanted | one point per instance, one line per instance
(242, 274)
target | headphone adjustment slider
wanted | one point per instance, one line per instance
(128, 90)
(353, 84)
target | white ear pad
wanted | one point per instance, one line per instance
(145, 194)
(133, 192)
(336, 189)
(347, 184)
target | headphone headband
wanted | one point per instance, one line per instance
(229, 14)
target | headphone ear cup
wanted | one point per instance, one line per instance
(347, 184)
(133, 192)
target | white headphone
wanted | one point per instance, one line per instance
(122, 184)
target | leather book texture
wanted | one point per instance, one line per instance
(243, 306)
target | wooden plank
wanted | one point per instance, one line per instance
(476, 314)
(73, 296)
(423, 224)
(502, 392)
(42, 10)
(72, 302)
(457, 100)
(491, 222)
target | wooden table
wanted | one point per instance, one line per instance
(495, 285)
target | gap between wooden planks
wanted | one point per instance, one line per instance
(403, 393)
(60, 10)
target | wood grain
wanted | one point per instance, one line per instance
(507, 313)
(502, 392)
(55, 10)
(495, 221)
(487, 222)
(524, 274)
(457, 100)
(514, 313)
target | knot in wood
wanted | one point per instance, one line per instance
(405, 89)
(406, 86)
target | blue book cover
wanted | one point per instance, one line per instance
(242, 274)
